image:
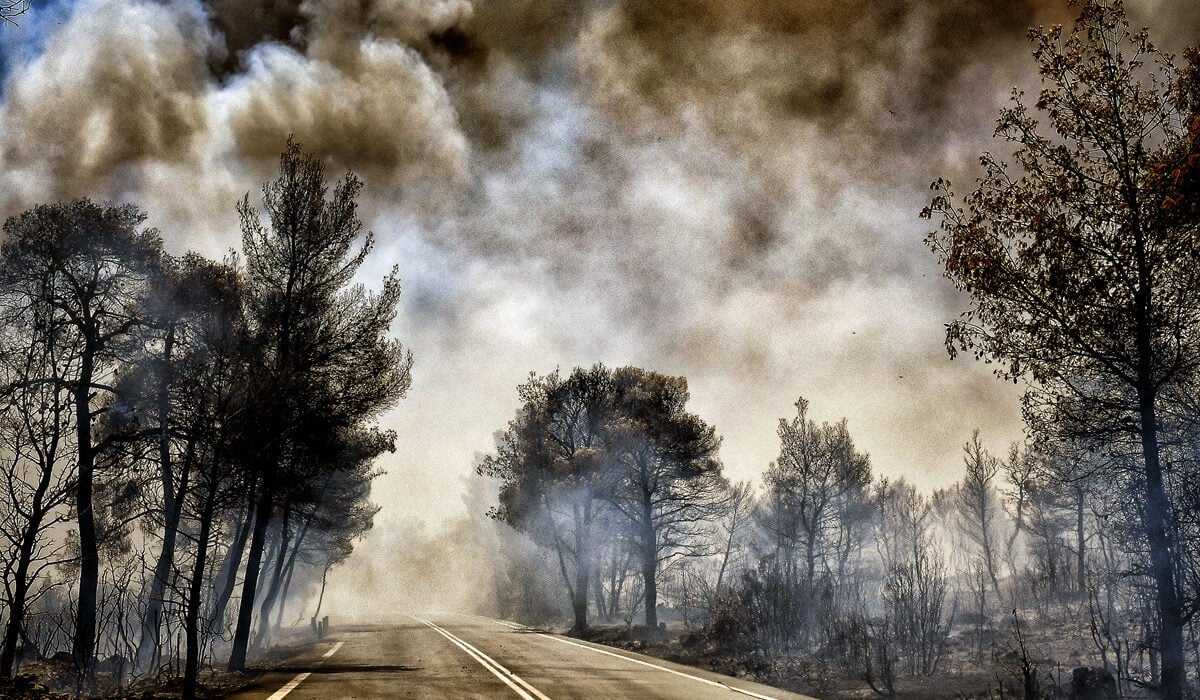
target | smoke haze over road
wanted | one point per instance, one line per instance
(722, 190)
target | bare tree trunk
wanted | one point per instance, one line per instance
(321, 596)
(725, 559)
(989, 558)
(1081, 555)
(233, 561)
(172, 508)
(289, 569)
(16, 611)
(1173, 677)
(241, 636)
(84, 642)
(598, 594)
(649, 560)
(264, 612)
(583, 572)
(283, 595)
(192, 617)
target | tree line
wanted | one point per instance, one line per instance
(1078, 251)
(184, 439)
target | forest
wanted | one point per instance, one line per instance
(189, 444)
(186, 441)
(1062, 566)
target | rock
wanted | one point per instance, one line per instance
(62, 657)
(113, 664)
(1092, 684)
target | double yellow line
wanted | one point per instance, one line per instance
(519, 685)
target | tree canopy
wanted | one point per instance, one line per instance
(1082, 260)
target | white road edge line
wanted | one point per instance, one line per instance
(479, 659)
(489, 663)
(291, 685)
(660, 668)
(506, 623)
(295, 682)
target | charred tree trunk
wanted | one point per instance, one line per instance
(268, 601)
(84, 642)
(233, 561)
(192, 616)
(289, 569)
(241, 636)
(283, 595)
(579, 592)
(598, 595)
(16, 611)
(649, 559)
(321, 595)
(1159, 531)
(1172, 678)
(172, 508)
(37, 515)
(1080, 539)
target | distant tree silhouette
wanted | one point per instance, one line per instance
(603, 439)
(664, 476)
(977, 504)
(551, 460)
(816, 503)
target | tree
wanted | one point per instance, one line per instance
(665, 478)
(550, 461)
(734, 523)
(328, 510)
(915, 582)
(1019, 477)
(11, 9)
(607, 445)
(977, 504)
(149, 385)
(211, 412)
(1084, 269)
(39, 469)
(817, 494)
(327, 363)
(87, 266)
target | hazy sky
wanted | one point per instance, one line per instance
(722, 189)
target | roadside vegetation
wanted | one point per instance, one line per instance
(1065, 566)
(187, 444)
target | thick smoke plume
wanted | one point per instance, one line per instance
(720, 189)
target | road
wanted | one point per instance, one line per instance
(446, 655)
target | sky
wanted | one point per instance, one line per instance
(726, 190)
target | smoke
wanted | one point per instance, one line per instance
(470, 564)
(718, 189)
(111, 90)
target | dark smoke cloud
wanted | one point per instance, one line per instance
(723, 189)
(111, 91)
(876, 74)
(244, 25)
(379, 110)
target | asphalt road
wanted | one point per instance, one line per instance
(458, 656)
